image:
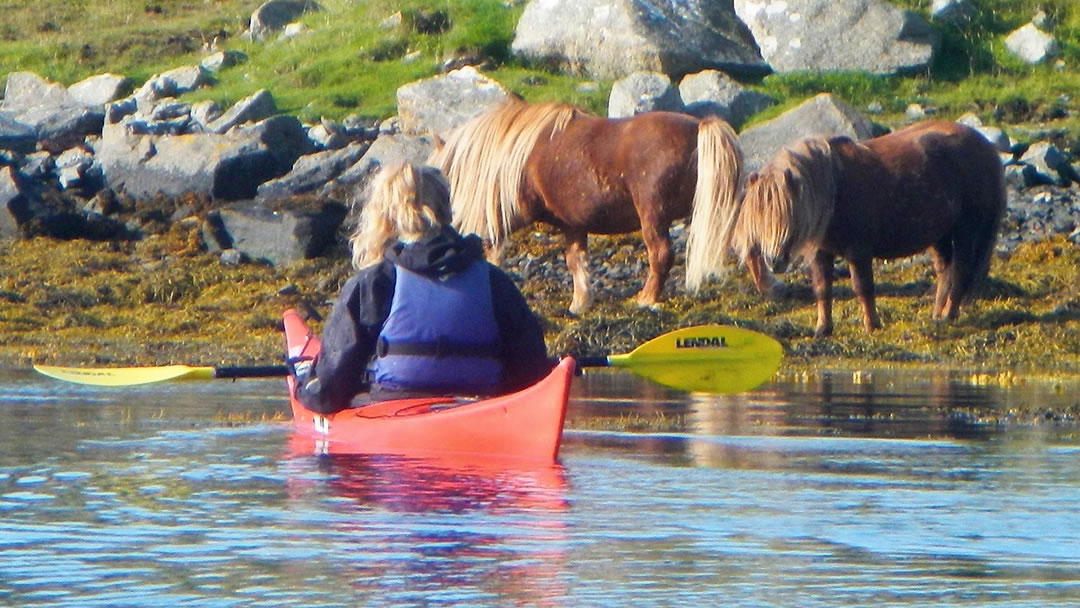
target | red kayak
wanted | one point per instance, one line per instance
(526, 425)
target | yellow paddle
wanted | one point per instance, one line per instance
(706, 358)
(128, 376)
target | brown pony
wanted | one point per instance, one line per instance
(935, 184)
(519, 163)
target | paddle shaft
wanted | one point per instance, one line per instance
(256, 371)
(592, 362)
(275, 371)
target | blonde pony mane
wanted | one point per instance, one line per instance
(789, 204)
(484, 161)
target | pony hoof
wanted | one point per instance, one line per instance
(823, 332)
(648, 303)
(777, 292)
(579, 309)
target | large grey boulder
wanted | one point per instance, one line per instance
(1050, 164)
(100, 89)
(440, 103)
(172, 83)
(713, 93)
(254, 107)
(25, 208)
(995, 135)
(275, 15)
(277, 236)
(221, 60)
(610, 39)
(820, 115)
(386, 149)
(225, 167)
(818, 35)
(643, 92)
(1031, 44)
(14, 203)
(958, 13)
(49, 109)
(311, 172)
(16, 135)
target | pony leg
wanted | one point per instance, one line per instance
(577, 262)
(821, 277)
(661, 257)
(766, 282)
(942, 254)
(495, 252)
(862, 282)
(961, 276)
(973, 246)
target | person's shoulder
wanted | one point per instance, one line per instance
(370, 275)
(501, 282)
(494, 270)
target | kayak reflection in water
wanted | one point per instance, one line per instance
(425, 313)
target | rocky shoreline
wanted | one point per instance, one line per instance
(174, 255)
(140, 228)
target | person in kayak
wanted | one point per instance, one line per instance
(425, 314)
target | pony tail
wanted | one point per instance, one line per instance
(715, 209)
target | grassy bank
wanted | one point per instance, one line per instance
(352, 64)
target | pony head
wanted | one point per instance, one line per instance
(787, 205)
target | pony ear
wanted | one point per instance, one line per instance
(752, 178)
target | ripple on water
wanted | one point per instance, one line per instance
(166, 509)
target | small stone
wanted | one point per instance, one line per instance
(231, 257)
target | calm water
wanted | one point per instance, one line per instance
(893, 490)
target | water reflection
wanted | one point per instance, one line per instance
(919, 489)
(453, 484)
(911, 427)
(888, 404)
(446, 530)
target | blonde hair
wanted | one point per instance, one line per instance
(407, 202)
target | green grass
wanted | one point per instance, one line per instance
(350, 64)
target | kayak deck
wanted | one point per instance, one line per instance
(525, 425)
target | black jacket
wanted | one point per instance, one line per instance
(350, 334)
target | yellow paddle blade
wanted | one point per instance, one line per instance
(706, 358)
(125, 376)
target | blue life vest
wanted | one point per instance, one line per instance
(440, 336)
